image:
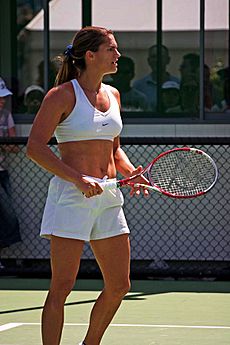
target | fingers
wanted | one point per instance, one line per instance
(146, 192)
(136, 191)
(92, 189)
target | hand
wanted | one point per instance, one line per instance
(139, 179)
(89, 189)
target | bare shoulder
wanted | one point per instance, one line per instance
(61, 96)
(56, 105)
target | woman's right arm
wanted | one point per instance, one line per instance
(57, 103)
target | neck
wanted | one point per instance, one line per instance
(95, 92)
(90, 83)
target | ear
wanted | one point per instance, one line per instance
(89, 55)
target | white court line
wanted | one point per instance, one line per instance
(153, 326)
(11, 325)
(171, 326)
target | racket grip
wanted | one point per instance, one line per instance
(109, 185)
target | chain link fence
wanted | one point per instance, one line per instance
(169, 237)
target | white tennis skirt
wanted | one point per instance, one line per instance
(68, 213)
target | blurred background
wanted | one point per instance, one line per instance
(174, 81)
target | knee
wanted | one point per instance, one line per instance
(119, 290)
(60, 289)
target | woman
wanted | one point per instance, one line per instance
(84, 115)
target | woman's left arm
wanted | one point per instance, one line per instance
(126, 168)
(122, 162)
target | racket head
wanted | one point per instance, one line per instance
(183, 173)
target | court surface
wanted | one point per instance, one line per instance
(153, 313)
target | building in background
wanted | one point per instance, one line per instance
(198, 27)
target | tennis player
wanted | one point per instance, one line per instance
(84, 115)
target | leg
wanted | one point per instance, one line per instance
(113, 257)
(65, 261)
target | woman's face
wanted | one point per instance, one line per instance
(2, 102)
(107, 55)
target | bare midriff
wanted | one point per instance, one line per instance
(90, 157)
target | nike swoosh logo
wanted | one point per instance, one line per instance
(104, 124)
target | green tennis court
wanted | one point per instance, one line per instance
(153, 313)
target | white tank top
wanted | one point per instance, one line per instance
(85, 122)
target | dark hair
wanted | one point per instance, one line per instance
(73, 61)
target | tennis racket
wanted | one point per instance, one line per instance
(178, 173)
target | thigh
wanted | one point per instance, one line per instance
(65, 259)
(113, 257)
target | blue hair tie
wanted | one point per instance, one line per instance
(69, 50)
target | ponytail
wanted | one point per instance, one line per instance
(71, 66)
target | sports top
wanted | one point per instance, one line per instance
(85, 122)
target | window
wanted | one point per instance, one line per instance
(173, 68)
(216, 72)
(180, 35)
(29, 61)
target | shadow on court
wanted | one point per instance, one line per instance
(140, 289)
(41, 307)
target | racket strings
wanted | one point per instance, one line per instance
(183, 173)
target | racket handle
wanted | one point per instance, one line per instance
(109, 185)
